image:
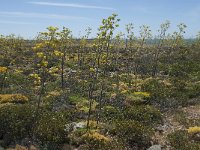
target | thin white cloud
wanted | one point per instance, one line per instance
(15, 22)
(71, 5)
(39, 15)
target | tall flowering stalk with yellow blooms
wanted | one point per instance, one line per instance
(46, 50)
(116, 56)
(104, 37)
(102, 49)
(145, 35)
(65, 41)
(130, 37)
(82, 47)
(3, 71)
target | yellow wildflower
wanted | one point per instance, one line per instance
(3, 69)
(17, 71)
(58, 54)
(145, 94)
(193, 130)
(35, 75)
(13, 98)
(44, 63)
(124, 91)
(38, 46)
(92, 70)
(96, 136)
(40, 54)
(53, 70)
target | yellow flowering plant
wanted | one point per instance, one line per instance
(143, 94)
(193, 130)
(3, 69)
(3, 76)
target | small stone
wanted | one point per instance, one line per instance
(1, 148)
(19, 147)
(32, 147)
(66, 147)
(155, 147)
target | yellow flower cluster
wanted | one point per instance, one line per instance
(44, 63)
(36, 77)
(40, 54)
(3, 69)
(17, 71)
(92, 70)
(13, 98)
(53, 45)
(96, 136)
(193, 130)
(38, 46)
(124, 91)
(103, 60)
(145, 94)
(58, 54)
(53, 70)
(123, 86)
(46, 42)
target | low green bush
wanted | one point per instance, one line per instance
(110, 113)
(93, 139)
(50, 127)
(133, 133)
(193, 89)
(170, 93)
(157, 88)
(144, 114)
(15, 122)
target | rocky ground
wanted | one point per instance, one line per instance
(179, 119)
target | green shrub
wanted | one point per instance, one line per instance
(193, 89)
(15, 122)
(81, 103)
(50, 127)
(145, 114)
(165, 94)
(133, 133)
(18, 83)
(110, 113)
(136, 98)
(93, 139)
(55, 99)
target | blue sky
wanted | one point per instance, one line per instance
(28, 17)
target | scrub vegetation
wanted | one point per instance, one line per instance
(116, 91)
